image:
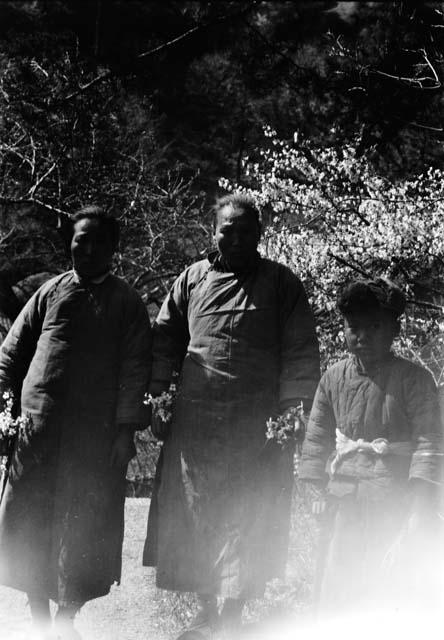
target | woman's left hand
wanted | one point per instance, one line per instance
(123, 449)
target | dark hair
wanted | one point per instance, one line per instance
(107, 222)
(238, 201)
(379, 294)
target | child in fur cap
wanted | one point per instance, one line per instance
(373, 450)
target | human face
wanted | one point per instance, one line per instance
(237, 235)
(369, 335)
(91, 248)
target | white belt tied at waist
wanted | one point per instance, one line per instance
(378, 447)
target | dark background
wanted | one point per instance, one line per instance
(141, 106)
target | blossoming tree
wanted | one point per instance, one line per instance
(330, 215)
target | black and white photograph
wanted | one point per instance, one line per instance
(221, 320)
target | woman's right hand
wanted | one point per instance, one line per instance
(319, 504)
(318, 507)
(160, 428)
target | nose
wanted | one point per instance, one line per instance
(88, 249)
(362, 336)
(235, 240)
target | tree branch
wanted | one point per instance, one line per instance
(416, 83)
(426, 305)
(366, 274)
(40, 180)
(31, 200)
(170, 43)
(418, 303)
(165, 45)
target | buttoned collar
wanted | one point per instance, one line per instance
(97, 280)
(375, 368)
(219, 264)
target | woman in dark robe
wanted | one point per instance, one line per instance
(240, 328)
(78, 359)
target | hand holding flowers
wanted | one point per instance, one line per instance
(162, 411)
(288, 429)
(9, 428)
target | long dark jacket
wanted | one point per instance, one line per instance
(78, 356)
(247, 348)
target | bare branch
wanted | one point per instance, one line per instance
(5, 238)
(421, 82)
(50, 207)
(366, 274)
(431, 67)
(426, 305)
(14, 151)
(425, 126)
(40, 180)
(32, 161)
(165, 45)
(84, 87)
(31, 200)
(137, 185)
(421, 361)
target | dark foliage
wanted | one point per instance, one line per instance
(141, 105)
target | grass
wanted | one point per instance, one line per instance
(137, 610)
(288, 597)
(283, 598)
(141, 469)
(129, 612)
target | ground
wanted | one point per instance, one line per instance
(136, 610)
(128, 613)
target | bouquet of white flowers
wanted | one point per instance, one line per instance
(162, 411)
(287, 430)
(9, 428)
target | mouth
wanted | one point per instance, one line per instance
(84, 266)
(235, 257)
(365, 350)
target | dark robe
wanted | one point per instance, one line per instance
(370, 496)
(247, 349)
(78, 355)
